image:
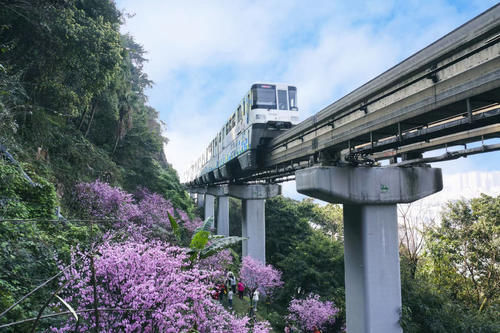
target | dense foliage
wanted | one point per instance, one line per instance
(72, 109)
(27, 248)
(72, 100)
(454, 287)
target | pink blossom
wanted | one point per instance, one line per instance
(310, 312)
(257, 276)
(155, 278)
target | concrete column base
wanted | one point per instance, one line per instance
(371, 246)
(223, 216)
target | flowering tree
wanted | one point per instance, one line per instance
(310, 312)
(217, 263)
(144, 283)
(157, 286)
(102, 201)
(257, 276)
(144, 215)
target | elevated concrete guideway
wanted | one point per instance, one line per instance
(446, 94)
(443, 95)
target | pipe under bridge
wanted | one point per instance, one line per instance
(445, 95)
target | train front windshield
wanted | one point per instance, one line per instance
(264, 96)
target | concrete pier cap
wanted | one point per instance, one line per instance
(198, 190)
(369, 185)
(254, 191)
(218, 190)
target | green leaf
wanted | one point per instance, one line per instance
(199, 240)
(207, 225)
(70, 308)
(175, 226)
(219, 244)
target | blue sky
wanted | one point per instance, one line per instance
(204, 55)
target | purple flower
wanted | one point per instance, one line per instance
(310, 312)
(257, 276)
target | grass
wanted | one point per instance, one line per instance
(242, 307)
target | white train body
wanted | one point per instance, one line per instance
(263, 113)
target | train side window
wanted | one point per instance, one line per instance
(282, 100)
(239, 113)
(292, 98)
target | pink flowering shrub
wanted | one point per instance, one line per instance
(154, 278)
(102, 201)
(310, 312)
(257, 276)
(218, 263)
(261, 327)
(151, 285)
(191, 225)
(142, 215)
(154, 210)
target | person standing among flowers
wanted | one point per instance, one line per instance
(255, 300)
(232, 281)
(241, 289)
(230, 298)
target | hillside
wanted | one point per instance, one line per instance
(72, 102)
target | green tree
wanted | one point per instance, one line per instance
(464, 251)
(311, 260)
(330, 219)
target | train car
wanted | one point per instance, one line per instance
(263, 113)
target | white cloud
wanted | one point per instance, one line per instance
(180, 35)
(205, 54)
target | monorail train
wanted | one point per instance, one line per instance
(263, 113)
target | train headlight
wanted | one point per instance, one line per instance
(295, 118)
(260, 116)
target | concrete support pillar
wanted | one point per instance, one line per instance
(253, 224)
(253, 221)
(209, 206)
(223, 215)
(372, 279)
(200, 199)
(370, 196)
